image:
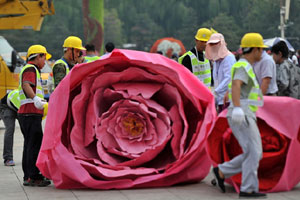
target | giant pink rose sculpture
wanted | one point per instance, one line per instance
(279, 125)
(129, 120)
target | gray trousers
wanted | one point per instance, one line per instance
(248, 136)
(9, 117)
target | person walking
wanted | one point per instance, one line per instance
(265, 72)
(195, 59)
(72, 55)
(91, 54)
(9, 106)
(245, 97)
(216, 51)
(287, 74)
(31, 112)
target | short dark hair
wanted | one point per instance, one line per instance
(281, 47)
(109, 47)
(247, 50)
(90, 47)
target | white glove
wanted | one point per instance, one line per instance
(39, 103)
(238, 116)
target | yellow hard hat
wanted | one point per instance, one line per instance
(213, 31)
(252, 40)
(37, 49)
(203, 34)
(73, 42)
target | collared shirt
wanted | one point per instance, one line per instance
(287, 79)
(222, 76)
(266, 67)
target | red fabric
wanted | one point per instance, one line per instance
(129, 120)
(279, 124)
(29, 76)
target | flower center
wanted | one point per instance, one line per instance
(133, 125)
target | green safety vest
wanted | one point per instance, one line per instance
(200, 69)
(91, 58)
(255, 97)
(39, 88)
(66, 65)
(14, 98)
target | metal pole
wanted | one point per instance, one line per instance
(282, 16)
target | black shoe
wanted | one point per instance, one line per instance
(38, 182)
(220, 181)
(252, 195)
(26, 182)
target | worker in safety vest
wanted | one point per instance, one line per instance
(195, 59)
(91, 54)
(245, 96)
(30, 113)
(9, 106)
(72, 55)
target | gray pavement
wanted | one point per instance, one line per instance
(11, 187)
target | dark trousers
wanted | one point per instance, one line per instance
(31, 127)
(9, 117)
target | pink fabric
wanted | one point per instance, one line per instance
(129, 120)
(279, 125)
(216, 47)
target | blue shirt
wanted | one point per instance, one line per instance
(222, 76)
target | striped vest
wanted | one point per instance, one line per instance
(39, 88)
(255, 97)
(14, 98)
(200, 69)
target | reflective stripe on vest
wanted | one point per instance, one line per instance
(14, 98)
(255, 97)
(91, 58)
(39, 89)
(200, 69)
(66, 65)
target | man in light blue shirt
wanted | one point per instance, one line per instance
(217, 51)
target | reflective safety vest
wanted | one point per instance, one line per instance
(255, 97)
(66, 65)
(200, 69)
(88, 59)
(39, 88)
(14, 98)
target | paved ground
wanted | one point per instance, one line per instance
(11, 187)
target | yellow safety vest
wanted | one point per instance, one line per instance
(91, 58)
(200, 69)
(14, 98)
(39, 88)
(255, 97)
(66, 65)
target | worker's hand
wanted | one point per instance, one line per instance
(39, 103)
(226, 98)
(238, 116)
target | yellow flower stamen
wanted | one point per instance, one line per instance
(132, 125)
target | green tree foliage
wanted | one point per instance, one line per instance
(228, 27)
(113, 28)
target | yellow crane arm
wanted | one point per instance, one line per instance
(24, 14)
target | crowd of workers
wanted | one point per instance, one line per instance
(27, 103)
(238, 85)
